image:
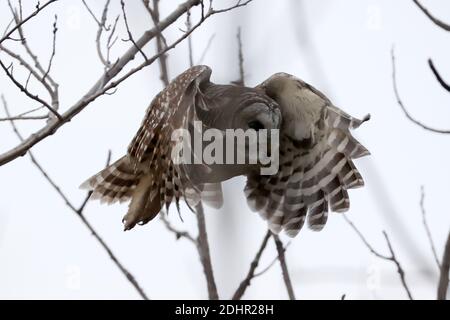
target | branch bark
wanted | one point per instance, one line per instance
(402, 106)
(251, 272)
(284, 268)
(203, 251)
(445, 267)
(441, 81)
(427, 228)
(435, 20)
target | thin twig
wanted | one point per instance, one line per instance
(101, 27)
(363, 239)
(78, 212)
(445, 267)
(54, 92)
(16, 118)
(272, 263)
(284, 268)
(400, 270)
(240, 81)
(130, 35)
(30, 52)
(52, 56)
(205, 51)
(251, 272)
(190, 49)
(22, 22)
(178, 233)
(435, 20)
(160, 41)
(28, 93)
(99, 23)
(27, 66)
(391, 258)
(427, 228)
(441, 81)
(402, 106)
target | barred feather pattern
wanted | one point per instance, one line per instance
(311, 179)
(147, 175)
(115, 183)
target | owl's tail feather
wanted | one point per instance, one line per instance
(115, 183)
(145, 204)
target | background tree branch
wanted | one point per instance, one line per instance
(391, 258)
(78, 211)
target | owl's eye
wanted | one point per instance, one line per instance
(255, 125)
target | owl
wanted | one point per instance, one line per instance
(148, 175)
(315, 150)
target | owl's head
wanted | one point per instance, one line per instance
(235, 107)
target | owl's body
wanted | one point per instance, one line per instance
(315, 150)
(147, 174)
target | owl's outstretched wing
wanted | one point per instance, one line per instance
(147, 173)
(315, 173)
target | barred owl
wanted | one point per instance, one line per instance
(315, 148)
(148, 176)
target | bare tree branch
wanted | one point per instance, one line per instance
(30, 52)
(97, 90)
(251, 272)
(391, 258)
(435, 20)
(52, 56)
(160, 40)
(78, 212)
(190, 49)
(445, 267)
(438, 76)
(205, 51)
(27, 66)
(101, 27)
(205, 256)
(101, 87)
(363, 239)
(400, 270)
(26, 92)
(22, 22)
(240, 81)
(16, 118)
(284, 268)
(130, 35)
(178, 233)
(54, 90)
(272, 263)
(427, 228)
(402, 106)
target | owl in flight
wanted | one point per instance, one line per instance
(315, 150)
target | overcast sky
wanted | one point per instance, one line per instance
(341, 47)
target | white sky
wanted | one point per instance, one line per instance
(341, 47)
